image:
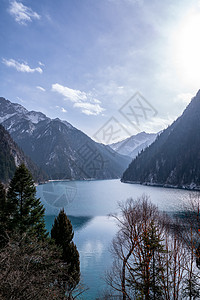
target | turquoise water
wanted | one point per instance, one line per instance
(88, 204)
(92, 238)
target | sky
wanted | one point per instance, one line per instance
(111, 68)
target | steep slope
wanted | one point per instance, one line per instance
(60, 149)
(134, 144)
(174, 158)
(12, 156)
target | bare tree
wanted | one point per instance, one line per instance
(174, 273)
(150, 257)
(31, 269)
(136, 248)
(190, 235)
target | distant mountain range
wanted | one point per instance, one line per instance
(11, 156)
(134, 144)
(58, 148)
(174, 158)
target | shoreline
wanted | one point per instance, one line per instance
(71, 180)
(190, 187)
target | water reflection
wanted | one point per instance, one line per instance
(87, 203)
(78, 223)
(93, 243)
(92, 236)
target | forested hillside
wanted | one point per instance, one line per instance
(174, 158)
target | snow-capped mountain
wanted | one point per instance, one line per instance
(60, 149)
(134, 144)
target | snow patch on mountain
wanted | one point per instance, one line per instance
(35, 117)
(5, 117)
(134, 144)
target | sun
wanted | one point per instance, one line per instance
(187, 48)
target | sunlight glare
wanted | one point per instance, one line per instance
(187, 52)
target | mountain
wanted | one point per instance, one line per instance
(11, 156)
(134, 144)
(60, 149)
(174, 158)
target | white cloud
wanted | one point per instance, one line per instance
(85, 101)
(41, 64)
(62, 109)
(22, 13)
(40, 88)
(96, 101)
(89, 108)
(72, 95)
(20, 67)
(184, 98)
(156, 124)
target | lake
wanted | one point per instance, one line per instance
(88, 204)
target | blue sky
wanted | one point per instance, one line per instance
(82, 60)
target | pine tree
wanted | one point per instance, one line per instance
(146, 273)
(2, 202)
(62, 233)
(156, 269)
(3, 214)
(26, 211)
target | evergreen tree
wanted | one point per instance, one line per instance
(26, 211)
(7, 162)
(153, 242)
(146, 272)
(2, 202)
(3, 214)
(62, 233)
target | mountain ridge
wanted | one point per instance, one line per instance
(173, 160)
(57, 147)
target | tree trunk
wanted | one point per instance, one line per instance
(124, 273)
